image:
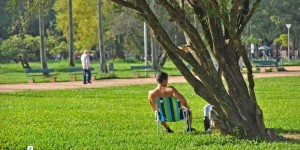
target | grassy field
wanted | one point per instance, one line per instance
(121, 118)
(14, 73)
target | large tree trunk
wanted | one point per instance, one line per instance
(119, 47)
(221, 25)
(162, 59)
(103, 66)
(42, 37)
(71, 44)
(154, 55)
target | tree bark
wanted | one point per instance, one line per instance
(154, 55)
(103, 66)
(71, 43)
(119, 47)
(42, 38)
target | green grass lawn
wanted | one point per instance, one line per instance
(14, 73)
(121, 118)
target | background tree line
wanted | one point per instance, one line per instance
(123, 32)
(268, 23)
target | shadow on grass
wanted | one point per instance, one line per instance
(285, 136)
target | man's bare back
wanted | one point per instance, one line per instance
(163, 90)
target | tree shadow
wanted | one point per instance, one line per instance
(280, 135)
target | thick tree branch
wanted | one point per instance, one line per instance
(248, 66)
(179, 17)
(198, 86)
(248, 17)
(216, 7)
(129, 4)
(201, 17)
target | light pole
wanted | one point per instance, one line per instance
(288, 26)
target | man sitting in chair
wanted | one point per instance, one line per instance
(163, 90)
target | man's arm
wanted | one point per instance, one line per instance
(152, 100)
(180, 97)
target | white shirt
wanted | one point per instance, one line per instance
(85, 60)
(207, 109)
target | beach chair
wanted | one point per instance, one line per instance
(170, 110)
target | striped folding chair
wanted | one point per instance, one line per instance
(170, 110)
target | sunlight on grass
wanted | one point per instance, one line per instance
(14, 72)
(121, 118)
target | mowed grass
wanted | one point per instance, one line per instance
(121, 118)
(14, 72)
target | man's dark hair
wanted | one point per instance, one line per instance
(161, 77)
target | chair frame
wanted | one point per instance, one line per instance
(171, 105)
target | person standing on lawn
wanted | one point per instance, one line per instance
(86, 64)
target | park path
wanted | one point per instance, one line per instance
(291, 71)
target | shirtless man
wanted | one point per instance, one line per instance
(163, 90)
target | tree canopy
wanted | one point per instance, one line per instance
(85, 21)
(124, 31)
(269, 21)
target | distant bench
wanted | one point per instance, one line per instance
(32, 73)
(140, 69)
(264, 63)
(75, 71)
